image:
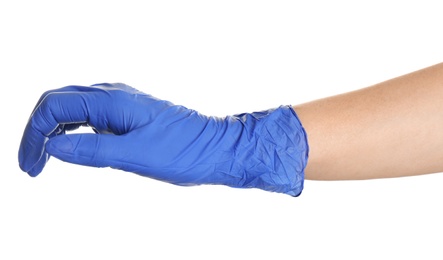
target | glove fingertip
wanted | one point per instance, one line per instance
(38, 167)
(59, 145)
(30, 160)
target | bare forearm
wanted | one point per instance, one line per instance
(391, 129)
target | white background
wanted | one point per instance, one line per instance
(218, 57)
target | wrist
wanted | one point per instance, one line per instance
(270, 152)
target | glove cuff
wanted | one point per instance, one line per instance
(271, 152)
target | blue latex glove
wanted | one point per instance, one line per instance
(155, 138)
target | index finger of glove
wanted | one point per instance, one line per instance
(62, 106)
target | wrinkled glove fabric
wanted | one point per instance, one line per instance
(139, 133)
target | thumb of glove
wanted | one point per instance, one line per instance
(97, 150)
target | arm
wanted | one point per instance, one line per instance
(388, 130)
(391, 129)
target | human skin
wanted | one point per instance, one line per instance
(391, 129)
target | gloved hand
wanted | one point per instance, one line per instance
(139, 133)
